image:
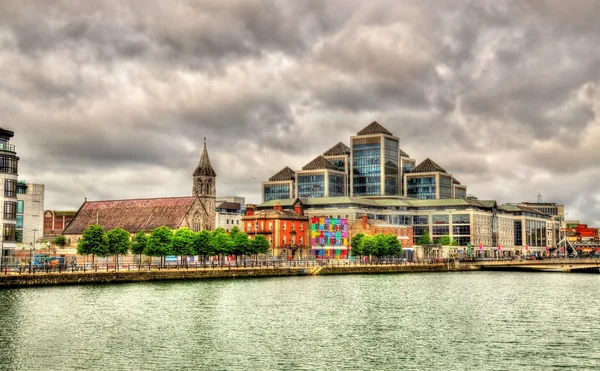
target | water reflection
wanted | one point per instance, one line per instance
(479, 320)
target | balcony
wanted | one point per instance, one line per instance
(7, 147)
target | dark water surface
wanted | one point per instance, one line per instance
(449, 321)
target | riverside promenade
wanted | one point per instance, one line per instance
(143, 273)
(105, 275)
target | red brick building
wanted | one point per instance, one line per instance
(287, 231)
(372, 227)
(55, 221)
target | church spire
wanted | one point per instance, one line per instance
(204, 167)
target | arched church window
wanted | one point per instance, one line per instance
(200, 190)
(208, 187)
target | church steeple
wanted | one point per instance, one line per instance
(204, 167)
(204, 177)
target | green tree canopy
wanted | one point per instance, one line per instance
(356, 245)
(424, 239)
(260, 245)
(367, 245)
(380, 245)
(60, 241)
(140, 240)
(203, 243)
(240, 242)
(221, 243)
(118, 241)
(394, 247)
(159, 243)
(444, 240)
(93, 241)
(183, 242)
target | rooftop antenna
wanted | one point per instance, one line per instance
(539, 198)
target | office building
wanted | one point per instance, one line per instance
(9, 170)
(30, 212)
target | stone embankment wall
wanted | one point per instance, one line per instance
(74, 278)
(378, 269)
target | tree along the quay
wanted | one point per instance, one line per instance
(203, 244)
(159, 243)
(119, 242)
(138, 245)
(356, 245)
(183, 243)
(93, 241)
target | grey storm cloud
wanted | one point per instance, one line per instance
(112, 99)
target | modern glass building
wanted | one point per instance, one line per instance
(339, 155)
(281, 185)
(406, 165)
(429, 181)
(373, 165)
(320, 178)
(374, 154)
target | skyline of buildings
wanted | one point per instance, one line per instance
(398, 193)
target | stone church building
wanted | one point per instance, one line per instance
(196, 212)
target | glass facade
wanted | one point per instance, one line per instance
(391, 166)
(460, 192)
(518, 233)
(276, 191)
(311, 185)
(366, 166)
(535, 232)
(336, 185)
(445, 187)
(422, 187)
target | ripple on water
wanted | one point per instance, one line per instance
(458, 321)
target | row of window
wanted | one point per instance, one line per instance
(271, 223)
(441, 219)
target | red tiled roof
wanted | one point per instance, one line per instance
(131, 215)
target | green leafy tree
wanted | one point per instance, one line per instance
(381, 247)
(60, 241)
(183, 242)
(394, 247)
(454, 243)
(93, 241)
(356, 246)
(203, 244)
(221, 243)
(140, 240)
(444, 240)
(425, 239)
(159, 243)
(367, 245)
(260, 245)
(119, 243)
(240, 242)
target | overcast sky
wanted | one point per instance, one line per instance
(111, 99)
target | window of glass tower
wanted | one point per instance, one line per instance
(391, 166)
(276, 191)
(336, 185)
(366, 166)
(445, 187)
(311, 185)
(422, 187)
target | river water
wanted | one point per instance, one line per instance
(435, 321)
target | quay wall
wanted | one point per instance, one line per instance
(75, 278)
